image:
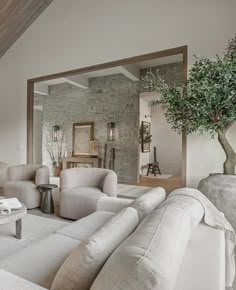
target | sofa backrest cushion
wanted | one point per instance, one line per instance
(84, 263)
(148, 202)
(151, 256)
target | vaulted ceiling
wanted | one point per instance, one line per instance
(15, 17)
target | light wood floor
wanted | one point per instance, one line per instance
(169, 184)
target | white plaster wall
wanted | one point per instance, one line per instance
(78, 33)
(145, 110)
(167, 142)
(38, 135)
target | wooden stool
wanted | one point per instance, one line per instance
(153, 168)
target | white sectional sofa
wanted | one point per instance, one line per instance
(164, 246)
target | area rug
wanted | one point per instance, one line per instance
(132, 191)
(161, 176)
(33, 229)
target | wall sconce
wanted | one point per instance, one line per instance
(111, 131)
(55, 133)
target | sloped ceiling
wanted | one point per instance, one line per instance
(15, 17)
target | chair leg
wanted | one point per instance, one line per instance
(148, 170)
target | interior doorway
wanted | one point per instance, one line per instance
(109, 96)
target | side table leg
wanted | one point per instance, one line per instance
(18, 229)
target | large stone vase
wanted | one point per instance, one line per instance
(221, 191)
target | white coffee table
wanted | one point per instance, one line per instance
(15, 216)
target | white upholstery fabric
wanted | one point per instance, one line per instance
(84, 263)
(112, 204)
(215, 219)
(149, 201)
(27, 172)
(82, 187)
(40, 261)
(104, 179)
(22, 183)
(85, 227)
(78, 202)
(204, 261)
(10, 281)
(151, 256)
(24, 191)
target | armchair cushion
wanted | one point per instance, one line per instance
(79, 202)
(25, 191)
(22, 183)
(103, 179)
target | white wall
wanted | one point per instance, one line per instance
(38, 136)
(167, 142)
(78, 33)
(145, 110)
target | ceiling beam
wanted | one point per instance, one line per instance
(41, 89)
(78, 81)
(131, 71)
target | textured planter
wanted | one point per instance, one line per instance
(221, 191)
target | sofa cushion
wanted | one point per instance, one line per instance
(204, 261)
(85, 227)
(40, 261)
(10, 281)
(83, 264)
(148, 201)
(79, 202)
(154, 251)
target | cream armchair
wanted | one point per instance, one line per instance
(23, 181)
(81, 188)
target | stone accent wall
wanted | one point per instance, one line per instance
(111, 98)
(172, 73)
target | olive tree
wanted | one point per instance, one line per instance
(206, 103)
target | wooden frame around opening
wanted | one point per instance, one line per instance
(159, 54)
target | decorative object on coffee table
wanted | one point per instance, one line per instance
(15, 216)
(47, 205)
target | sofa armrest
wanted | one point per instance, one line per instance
(112, 204)
(42, 175)
(110, 184)
(9, 281)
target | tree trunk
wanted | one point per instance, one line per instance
(230, 163)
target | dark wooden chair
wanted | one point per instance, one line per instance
(153, 167)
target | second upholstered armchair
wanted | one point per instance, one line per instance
(82, 187)
(22, 182)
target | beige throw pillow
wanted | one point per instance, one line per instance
(84, 263)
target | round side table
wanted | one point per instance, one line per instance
(47, 205)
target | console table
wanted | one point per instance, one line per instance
(72, 162)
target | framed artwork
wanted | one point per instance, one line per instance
(83, 133)
(145, 136)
